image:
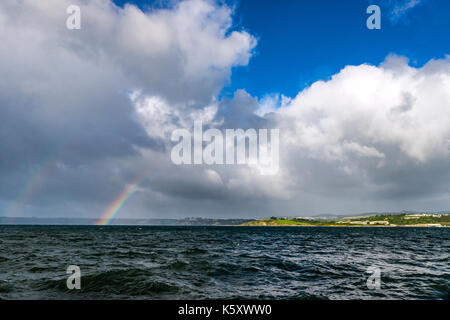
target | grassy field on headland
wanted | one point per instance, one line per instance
(391, 220)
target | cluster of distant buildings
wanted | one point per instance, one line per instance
(421, 215)
(380, 222)
(406, 217)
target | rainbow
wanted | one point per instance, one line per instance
(119, 202)
(37, 179)
(29, 189)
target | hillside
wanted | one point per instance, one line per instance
(389, 220)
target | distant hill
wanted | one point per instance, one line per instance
(384, 220)
(394, 218)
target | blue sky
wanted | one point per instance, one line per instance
(300, 42)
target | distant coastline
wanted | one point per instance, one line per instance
(59, 221)
(368, 220)
(421, 220)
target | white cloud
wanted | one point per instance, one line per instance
(368, 109)
(184, 53)
(362, 151)
(367, 139)
(398, 9)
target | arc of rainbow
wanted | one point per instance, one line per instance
(30, 187)
(115, 206)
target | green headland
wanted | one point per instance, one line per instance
(378, 220)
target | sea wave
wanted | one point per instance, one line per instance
(224, 263)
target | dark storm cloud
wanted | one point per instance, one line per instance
(69, 128)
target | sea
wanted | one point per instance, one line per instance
(158, 262)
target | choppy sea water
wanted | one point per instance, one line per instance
(224, 262)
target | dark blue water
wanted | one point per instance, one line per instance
(224, 262)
